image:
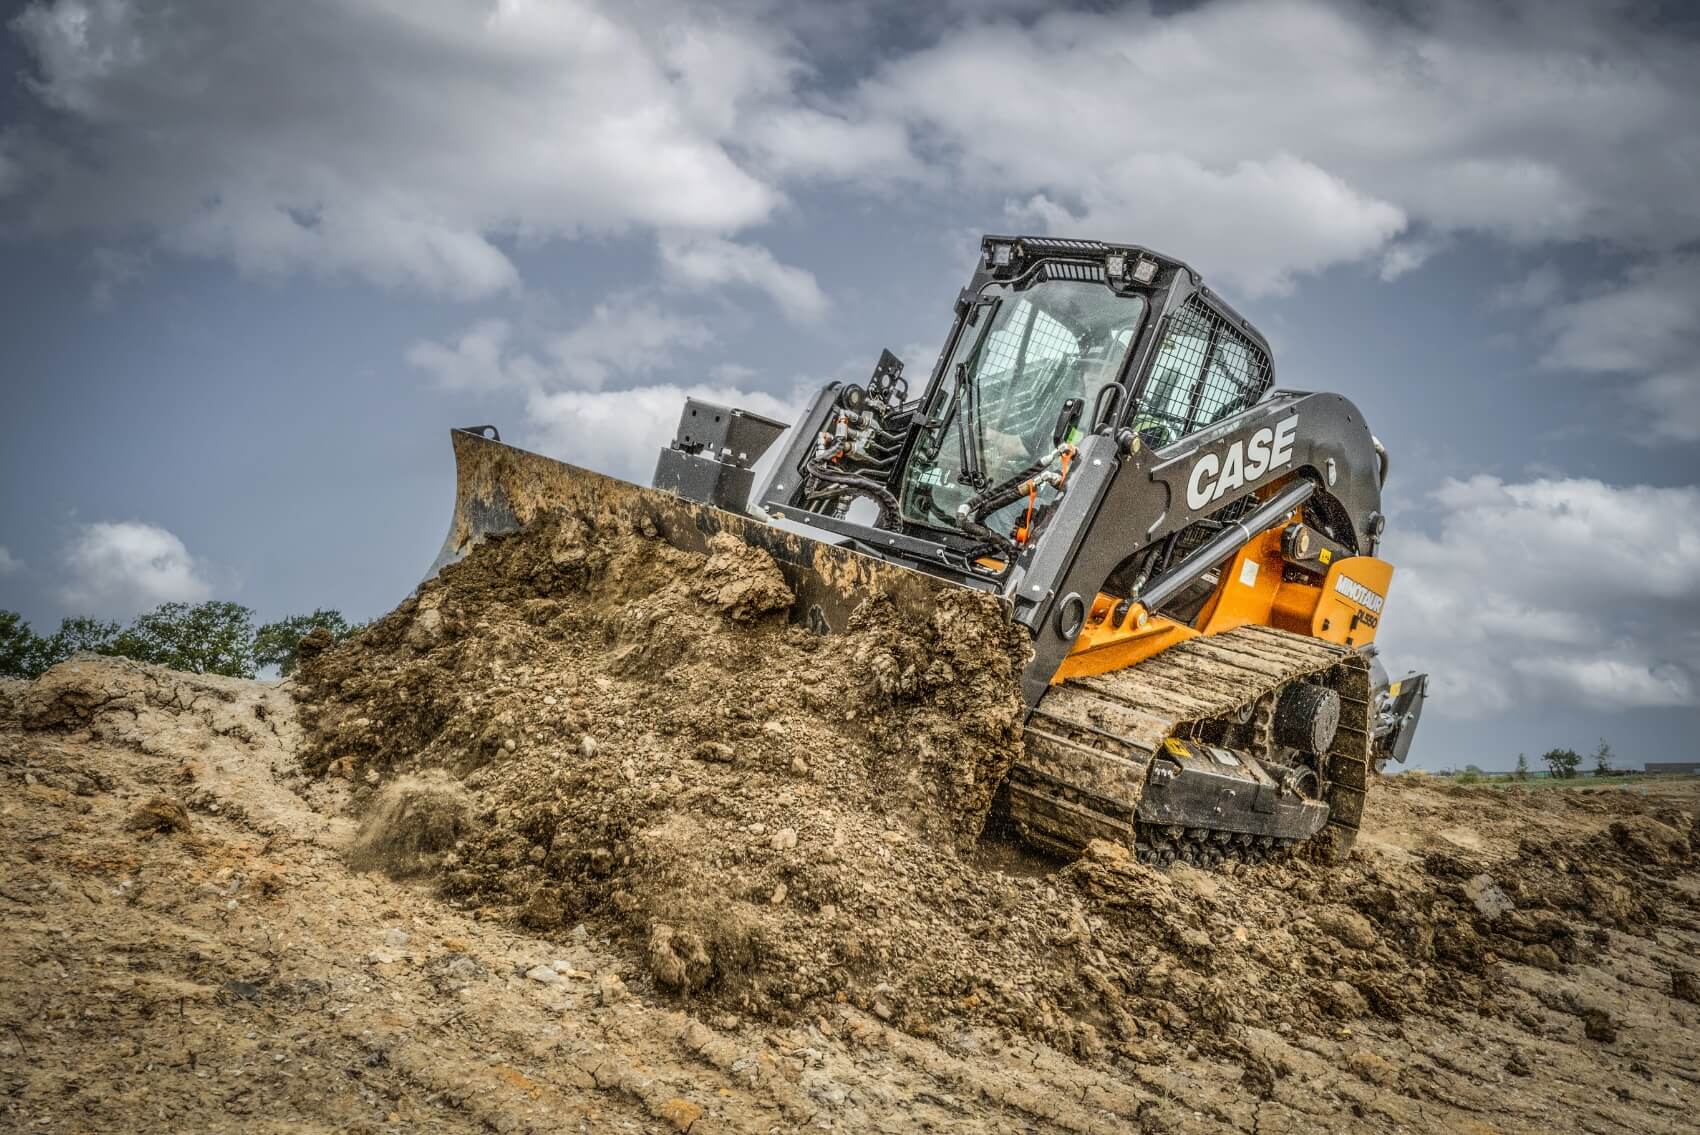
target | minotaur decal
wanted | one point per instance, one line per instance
(1359, 594)
(1213, 476)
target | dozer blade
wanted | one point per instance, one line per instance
(500, 489)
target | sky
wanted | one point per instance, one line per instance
(257, 259)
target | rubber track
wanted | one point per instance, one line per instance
(1090, 741)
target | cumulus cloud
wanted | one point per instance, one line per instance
(710, 262)
(1557, 591)
(121, 568)
(114, 269)
(620, 431)
(812, 143)
(1535, 290)
(1671, 402)
(1406, 256)
(626, 336)
(477, 359)
(1641, 329)
(1529, 121)
(561, 376)
(1257, 223)
(400, 143)
(1260, 140)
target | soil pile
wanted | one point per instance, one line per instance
(1459, 973)
(764, 815)
(772, 822)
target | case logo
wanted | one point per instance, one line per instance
(1215, 475)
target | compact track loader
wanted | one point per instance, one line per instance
(1100, 445)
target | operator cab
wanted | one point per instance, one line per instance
(1063, 353)
(1030, 362)
(1048, 349)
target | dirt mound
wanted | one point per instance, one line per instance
(762, 813)
(772, 822)
(1650, 841)
(1458, 972)
(410, 824)
(159, 711)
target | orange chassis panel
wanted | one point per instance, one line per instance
(1344, 607)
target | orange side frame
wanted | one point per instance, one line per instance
(1344, 607)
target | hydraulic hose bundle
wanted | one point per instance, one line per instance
(971, 514)
(871, 449)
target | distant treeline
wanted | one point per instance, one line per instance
(1561, 764)
(215, 637)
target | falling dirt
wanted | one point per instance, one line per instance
(409, 826)
(670, 863)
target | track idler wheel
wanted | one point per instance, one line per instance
(1307, 717)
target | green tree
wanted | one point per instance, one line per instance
(279, 644)
(77, 634)
(25, 654)
(215, 637)
(1602, 759)
(1562, 762)
(1522, 772)
(20, 647)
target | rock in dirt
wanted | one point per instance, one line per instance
(1370, 1067)
(677, 958)
(1684, 986)
(159, 815)
(715, 751)
(12, 691)
(680, 1113)
(1346, 926)
(742, 581)
(1342, 999)
(1597, 1024)
(610, 990)
(543, 910)
(1487, 897)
